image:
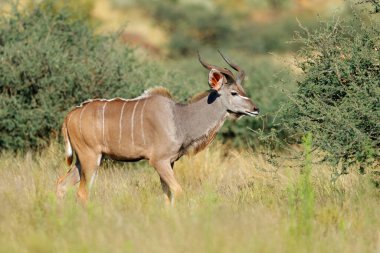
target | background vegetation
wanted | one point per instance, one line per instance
(52, 61)
(338, 99)
(314, 77)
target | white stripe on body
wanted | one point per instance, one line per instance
(69, 118)
(142, 122)
(80, 121)
(132, 122)
(120, 123)
(104, 108)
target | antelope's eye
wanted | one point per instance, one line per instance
(234, 93)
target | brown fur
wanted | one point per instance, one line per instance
(161, 91)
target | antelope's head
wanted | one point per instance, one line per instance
(230, 89)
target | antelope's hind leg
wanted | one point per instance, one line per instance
(88, 174)
(71, 178)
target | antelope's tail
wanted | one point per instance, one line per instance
(69, 149)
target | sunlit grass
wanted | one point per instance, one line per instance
(233, 201)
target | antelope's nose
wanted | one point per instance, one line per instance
(256, 109)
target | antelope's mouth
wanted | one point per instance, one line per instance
(245, 113)
(251, 113)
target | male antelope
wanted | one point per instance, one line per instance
(152, 126)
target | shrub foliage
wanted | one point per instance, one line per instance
(51, 61)
(338, 100)
(193, 25)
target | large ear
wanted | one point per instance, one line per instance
(216, 79)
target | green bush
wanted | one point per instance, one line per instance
(338, 100)
(190, 25)
(50, 62)
(271, 37)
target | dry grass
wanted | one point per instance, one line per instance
(233, 203)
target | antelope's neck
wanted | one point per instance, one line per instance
(199, 122)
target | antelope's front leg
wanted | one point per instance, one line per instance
(169, 184)
(167, 194)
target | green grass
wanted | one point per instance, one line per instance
(233, 202)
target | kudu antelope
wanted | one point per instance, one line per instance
(152, 126)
